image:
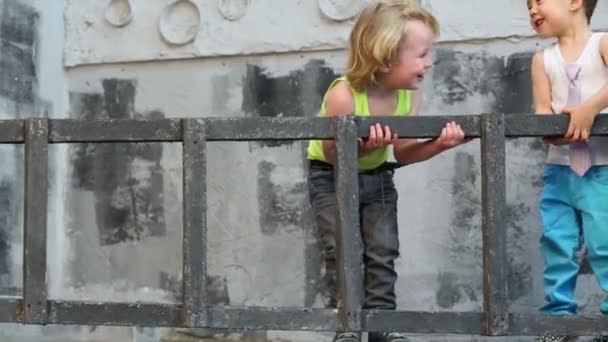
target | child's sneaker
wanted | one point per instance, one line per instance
(387, 337)
(347, 337)
(396, 337)
(555, 338)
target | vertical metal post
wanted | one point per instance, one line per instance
(195, 223)
(495, 261)
(348, 242)
(35, 224)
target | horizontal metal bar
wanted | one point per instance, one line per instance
(524, 125)
(161, 315)
(12, 131)
(516, 125)
(115, 314)
(257, 318)
(115, 130)
(260, 128)
(11, 310)
(424, 322)
(288, 128)
(535, 324)
(420, 126)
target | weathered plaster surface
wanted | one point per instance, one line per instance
(115, 217)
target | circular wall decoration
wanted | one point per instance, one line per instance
(340, 10)
(233, 9)
(119, 13)
(179, 22)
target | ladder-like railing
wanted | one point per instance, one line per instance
(34, 307)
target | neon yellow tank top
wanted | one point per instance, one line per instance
(378, 157)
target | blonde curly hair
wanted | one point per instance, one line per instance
(378, 35)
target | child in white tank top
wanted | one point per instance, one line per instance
(571, 77)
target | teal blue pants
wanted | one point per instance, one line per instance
(571, 205)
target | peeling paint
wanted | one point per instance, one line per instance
(126, 179)
(281, 205)
(465, 236)
(297, 94)
(453, 288)
(506, 81)
(7, 221)
(17, 36)
(18, 99)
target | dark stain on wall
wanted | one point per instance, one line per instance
(18, 26)
(286, 206)
(465, 236)
(523, 233)
(18, 89)
(217, 288)
(513, 93)
(126, 178)
(458, 75)
(8, 220)
(281, 205)
(296, 94)
(506, 83)
(454, 288)
(520, 269)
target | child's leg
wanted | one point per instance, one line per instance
(325, 210)
(595, 225)
(380, 239)
(560, 240)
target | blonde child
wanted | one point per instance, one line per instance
(389, 55)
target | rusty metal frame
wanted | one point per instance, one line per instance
(34, 307)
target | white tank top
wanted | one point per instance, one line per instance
(593, 77)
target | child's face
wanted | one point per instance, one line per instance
(414, 59)
(550, 17)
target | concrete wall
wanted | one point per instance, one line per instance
(115, 210)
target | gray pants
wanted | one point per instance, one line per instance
(378, 215)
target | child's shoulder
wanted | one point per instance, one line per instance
(340, 98)
(604, 47)
(538, 60)
(340, 91)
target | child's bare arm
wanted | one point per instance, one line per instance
(541, 92)
(599, 101)
(604, 49)
(410, 151)
(339, 101)
(581, 117)
(541, 86)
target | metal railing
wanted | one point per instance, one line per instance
(194, 311)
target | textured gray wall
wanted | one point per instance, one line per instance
(115, 210)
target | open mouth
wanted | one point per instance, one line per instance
(538, 23)
(420, 77)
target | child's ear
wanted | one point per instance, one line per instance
(385, 67)
(575, 5)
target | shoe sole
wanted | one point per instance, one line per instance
(570, 339)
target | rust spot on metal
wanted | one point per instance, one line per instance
(20, 312)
